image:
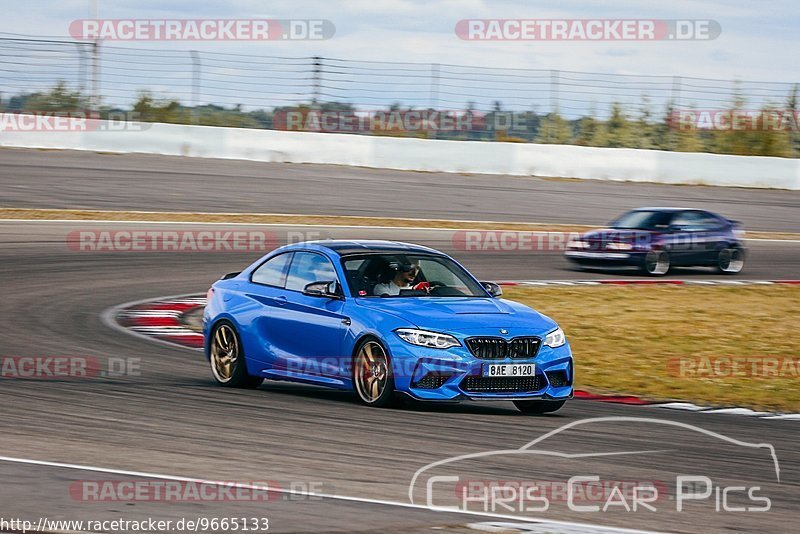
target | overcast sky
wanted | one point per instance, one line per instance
(759, 43)
(759, 39)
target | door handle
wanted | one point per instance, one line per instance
(280, 301)
(346, 321)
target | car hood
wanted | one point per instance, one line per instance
(467, 315)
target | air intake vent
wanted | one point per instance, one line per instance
(497, 348)
(503, 384)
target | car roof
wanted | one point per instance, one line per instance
(667, 209)
(346, 247)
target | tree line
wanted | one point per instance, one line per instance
(642, 129)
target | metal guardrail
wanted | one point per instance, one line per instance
(115, 76)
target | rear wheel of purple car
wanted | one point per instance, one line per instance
(730, 260)
(372, 375)
(536, 407)
(656, 263)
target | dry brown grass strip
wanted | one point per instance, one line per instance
(623, 338)
(320, 220)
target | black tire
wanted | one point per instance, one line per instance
(730, 260)
(226, 357)
(656, 263)
(538, 407)
(373, 380)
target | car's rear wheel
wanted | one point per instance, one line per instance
(227, 358)
(538, 407)
(372, 374)
(656, 263)
(730, 260)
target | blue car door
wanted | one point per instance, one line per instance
(308, 333)
(264, 305)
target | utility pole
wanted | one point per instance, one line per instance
(196, 66)
(434, 95)
(95, 97)
(553, 103)
(316, 81)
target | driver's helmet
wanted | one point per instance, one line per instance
(394, 267)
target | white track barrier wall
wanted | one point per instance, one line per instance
(522, 159)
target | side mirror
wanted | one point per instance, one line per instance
(327, 289)
(493, 289)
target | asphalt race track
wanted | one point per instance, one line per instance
(71, 179)
(171, 420)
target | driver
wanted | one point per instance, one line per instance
(402, 275)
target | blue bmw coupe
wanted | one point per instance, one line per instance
(385, 319)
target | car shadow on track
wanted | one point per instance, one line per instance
(629, 272)
(403, 404)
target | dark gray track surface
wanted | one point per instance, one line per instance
(173, 420)
(71, 179)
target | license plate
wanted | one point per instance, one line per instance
(509, 369)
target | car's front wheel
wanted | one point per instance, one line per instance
(656, 263)
(227, 358)
(730, 260)
(372, 374)
(538, 407)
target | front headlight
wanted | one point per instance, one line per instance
(577, 243)
(423, 338)
(619, 246)
(556, 338)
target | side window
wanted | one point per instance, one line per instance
(273, 271)
(308, 267)
(689, 220)
(709, 221)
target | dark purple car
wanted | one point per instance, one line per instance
(656, 239)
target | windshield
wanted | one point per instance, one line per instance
(408, 275)
(643, 220)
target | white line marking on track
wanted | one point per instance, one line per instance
(531, 528)
(347, 498)
(349, 226)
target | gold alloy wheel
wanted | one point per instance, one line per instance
(371, 372)
(224, 353)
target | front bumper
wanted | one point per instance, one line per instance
(455, 374)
